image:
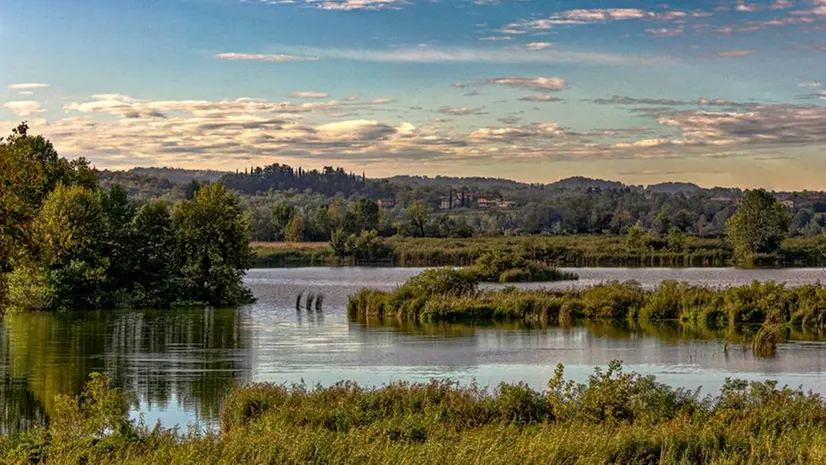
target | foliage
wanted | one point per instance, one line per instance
(213, 252)
(497, 266)
(691, 307)
(68, 244)
(416, 216)
(615, 417)
(758, 226)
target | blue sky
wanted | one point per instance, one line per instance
(715, 92)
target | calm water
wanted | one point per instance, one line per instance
(180, 363)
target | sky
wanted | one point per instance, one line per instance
(715, 92)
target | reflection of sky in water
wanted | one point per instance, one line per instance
(181, 362)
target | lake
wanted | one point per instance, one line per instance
(180, 363)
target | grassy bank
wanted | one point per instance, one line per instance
(569, 251)
(614, 418)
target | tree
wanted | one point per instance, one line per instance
(118, 241)
(71, 256)
(281, 216)
(213, 249)
(637, 238)
(675, 240)
(417, 215)
(758, 225)
(155, 275)
(364, 216)
(294, 231)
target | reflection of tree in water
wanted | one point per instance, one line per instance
(619, 329)
(174, 358)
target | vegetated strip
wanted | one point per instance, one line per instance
(561, 251)
(447, 295)
(615, 417)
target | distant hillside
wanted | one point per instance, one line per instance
(180, 175)
(674, 187)
(580, 182)
(480, 183)
(329, 181)
(138, 185)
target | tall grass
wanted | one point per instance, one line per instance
(613, 418)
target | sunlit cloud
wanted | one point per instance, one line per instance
(306, 94)
(278, 58)
(23, 107)
(28, 86)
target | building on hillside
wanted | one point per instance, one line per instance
(386, 203)
(788, 203)
(488, 201)
(463, 199)
(507, 204)
(444, 204)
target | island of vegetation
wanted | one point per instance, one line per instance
(68, 244)
(615, 417)
(450, 295)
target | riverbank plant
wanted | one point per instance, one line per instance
(499, 267)
(614, 417)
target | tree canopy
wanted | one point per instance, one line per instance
(67, 243)
(758, 226)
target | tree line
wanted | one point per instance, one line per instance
(68, 243)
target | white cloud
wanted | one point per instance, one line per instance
(508, 134)
(507, 55)
(595, 16)
(306, 94)
(810, 84)
(278, 58)
(735, 53)
(461, 110)
(28, 86)
(24, 107)
(538, 45)
(533, 83)
(541, 98)
(349, 5)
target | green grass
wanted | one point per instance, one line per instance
(560, 251)
(613, 418)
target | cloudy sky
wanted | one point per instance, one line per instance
(711, 91)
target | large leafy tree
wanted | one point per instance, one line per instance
(155, 275)
(72, 257)
(30, 169)
(758, 225)
(213, 250)
(417, 215)
(364, 216)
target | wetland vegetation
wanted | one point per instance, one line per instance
(614, 417)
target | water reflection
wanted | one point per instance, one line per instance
(182, 360)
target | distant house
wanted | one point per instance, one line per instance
(788, 203)
(463, 199)
(507, 204)
(721, 199)
(444, 204)
(386, 203)
(488, 201)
